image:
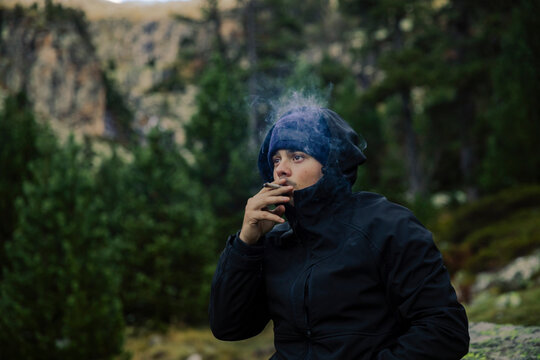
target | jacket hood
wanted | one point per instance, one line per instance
(345, 148)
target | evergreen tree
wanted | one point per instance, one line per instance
(449, 78)
(463, 90)
(512, 155)
(274, 31)
(392, 41)
(18, 133)
(349, 103)
(165, 236)
(217, 137)
(111, 182)
(59, 297)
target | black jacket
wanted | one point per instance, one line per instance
(350, 276)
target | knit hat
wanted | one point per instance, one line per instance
(303, 129)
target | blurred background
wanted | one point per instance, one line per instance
(128, 141)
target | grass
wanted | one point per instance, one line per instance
(498, 342)
(488, 234)
(488, 342)
(180, 343)
(517, 307)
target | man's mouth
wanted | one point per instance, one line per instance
(290, 183)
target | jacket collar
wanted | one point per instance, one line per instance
(315, 206)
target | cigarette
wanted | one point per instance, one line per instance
(272, 186)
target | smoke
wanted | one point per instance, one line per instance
(310, 98)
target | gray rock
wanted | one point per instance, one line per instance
(514, 276)
(503, 342)
(194, 357)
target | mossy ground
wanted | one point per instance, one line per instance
(181, 343)
(488, 234)
(488, 342)
(516, 307)
(498, 342)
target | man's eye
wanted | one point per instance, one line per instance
(276, 160)
(298, 157)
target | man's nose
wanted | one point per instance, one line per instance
(283, 168)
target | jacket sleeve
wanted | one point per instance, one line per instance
(419, 288)
(238, 308)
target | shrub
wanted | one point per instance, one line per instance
(58, 298)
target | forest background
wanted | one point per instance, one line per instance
(122, 229)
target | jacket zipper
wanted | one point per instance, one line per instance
(306, 314)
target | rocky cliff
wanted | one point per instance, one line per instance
(140, 55)
(56, 65)
(60, 59)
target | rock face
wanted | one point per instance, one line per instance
(144, 56)
(61, 63)
(56, 67)
(140, 55)
(503, 342)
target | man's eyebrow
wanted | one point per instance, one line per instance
(289, 152)
(296, 151)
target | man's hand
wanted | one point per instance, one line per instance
(258, 220)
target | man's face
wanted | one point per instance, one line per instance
(298, 168)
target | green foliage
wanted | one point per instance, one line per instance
(470, 105)
(490, 308)
(397, 60)
(332, 71)
(348, 102)
(305, 76)
(19, 132)
(279, 36)
(160, 218)
(489, 233)
(118, 110)
(56, 13)
(173, 81)
(496, 245)
(217, 137)
(512, 153)
(59, 293)
(139, 233)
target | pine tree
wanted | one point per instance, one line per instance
(512, 155)
(217, 137)
(394, 45)
(18, 134)
(58, 298)
(165, 237)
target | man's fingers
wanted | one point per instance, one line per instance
(268, 215)
(278, 199)
(261, 202)
(279, 210)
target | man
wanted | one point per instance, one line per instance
(347, 276)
